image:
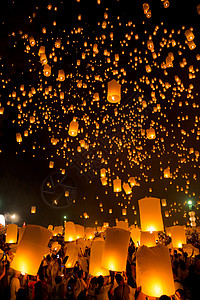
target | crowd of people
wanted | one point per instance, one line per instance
(56, 282)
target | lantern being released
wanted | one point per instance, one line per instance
(11, 234)
(70, 232)
(114, 91)
(147, 238)
(95, 268)
(135, 235)
(80, 231)
(150, 214)
(115, 249)
(178, 236)
(31, 249)
(154, 271)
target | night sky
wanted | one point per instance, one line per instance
(166, 99)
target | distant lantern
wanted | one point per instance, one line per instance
(95, 268)
(132, 181)
(110, 211)
(117, 185)
(166, 214)
(80, 231)
(70, 232)
(31, 41)
(1, 110)
(148, 68)
(150, 214)
(104, 181)
(41, 50)
(147, 238)
(115, 250)
(114, 91)
(11, 234)
(154, 271)
(89, 233)
(135, 235)
(167, 173)
(18, 137)
(166, 3)
(66, 193)
(164, 202)
(43, 59)
(150, 45)
(191, 45)
(61, 75)
(57, 43)
(103, 173)
(178, 236)
(145, 8)
(47, 70)
(33, 209)
(189, 35)
(82, 143)
(151, 134)
(51, 164)
(123, 211)
(31, 249)
(127, 188)
(73, 128)
(96, 97)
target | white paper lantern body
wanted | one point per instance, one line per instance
(95, 268)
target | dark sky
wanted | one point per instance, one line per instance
(22, 176)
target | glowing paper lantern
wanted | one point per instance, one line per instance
(114, 91)
(103, 173)
(61, 75)
(167, 173)
(73, 128)
(20, 233)
(150, 214)
(147, 238)
(33, 209)
(2, 220)
(164, 202)
(154, 271)
(151, 134)
(72, 253)
(135, 235)
(115, 249)
(70, 232)
(11, 233)
(18, 137)
(123, 211)
(117, 185)
(95, 268)
(80, 231)
(31, 249)
(47, 70)
(122, 225)
(178, 236)
(89, 232)
(57, 230)
(127, 188)
(189, 35)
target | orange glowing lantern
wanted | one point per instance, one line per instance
(33, 209)
(117, 185)
(115, 249)
(95, 268)
(80, 231)
(154, 271)
(70, 232)
(151, 134)
(135, 235)
(114, 91)
(178, 236)
(150, 214)
(47, 70)
(147, 238)
(11, 234)
(89, 233)
(61, 75)
(31, 249)
(73, 128)
(122, 225)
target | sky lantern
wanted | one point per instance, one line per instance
(104, 181)
(115, 249)
(61, 75)
(32, 41)
(33, 209)
(151, 134)
(114, 91)
(18, 137)
(95, 268)
(57, 230)
(11, 233)
(103, 173)
(135, 235)
(47, 70)
(145, 8)
(132, 181)
(178, 236)
(147, 238)
(89, 233)
(189, 35)
(150, 214)
(73, 128)
(72, 253)
(164, 202)
(31, 249)
(122, 225)
(127, 188)
(167, 173)
(51, 164)
(123, 211)
(2, 220)
(43, 59)
(154, 271)
(70, 232)
(58, 43)
(80, 231)
(117, 185)
(96, 97)
(20, 233)
(1, 110)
